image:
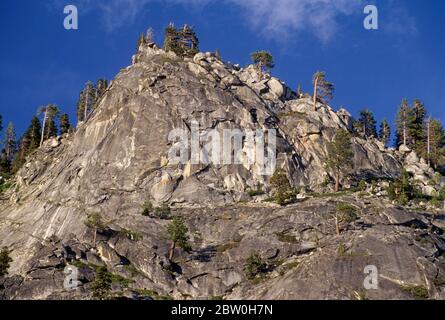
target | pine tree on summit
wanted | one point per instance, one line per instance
(402, 121)
(263, 60)
(367, 124)
(385, 132)
(416, 126)
(323, 89)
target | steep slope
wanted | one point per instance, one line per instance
(119, 159)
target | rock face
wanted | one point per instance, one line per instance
(119, 159)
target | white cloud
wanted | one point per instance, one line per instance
(282, 18)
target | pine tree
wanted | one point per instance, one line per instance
(65, 126)
(402, 122)
(86, 102)
(263, 60)
(171, 41)
(101, 87)
(101, 285)
(28, 143)
(141, 41)
(189, 41)
(340, 154)
(177, 233)
(49, 127)
(435, 150)
(416, 126)
(385, 132)
(323, 89)
(367, 124)
(5, 259)
(10, 142)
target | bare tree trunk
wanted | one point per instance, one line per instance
(95, 236)
(172, 250)
(404, 127)
(337, 225)
(43, 127)
(315, 93)
(86, 105)
(429, 142)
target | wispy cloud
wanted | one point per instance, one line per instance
(282, 18)
(273, 19)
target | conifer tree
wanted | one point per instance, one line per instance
(416, 126)
(435, 146)
(5, 259)
(49, 127)
(323, 89)
(189, 41)
(28, 143)
(402, 122)
(65, 126)
(263, 60)
(367, 124)
(101, 87)
(86, 102)
(10, 142)
(340, 155)
(171, 41)
(385, 132)
(141, 41)
(177, 233)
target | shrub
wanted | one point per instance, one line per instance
(5, 259)
(362, 185)
(347, 212)
(254, 265)
(282, 187)
(162, 212)
(147, 209)
(401, 190)
(255, 192)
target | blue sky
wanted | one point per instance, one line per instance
(43, 63)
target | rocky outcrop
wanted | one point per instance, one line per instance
(119, 159)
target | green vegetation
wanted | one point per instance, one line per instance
(323, 89)
(286, 238)
(183, 42)
(101, 285)
(263, 60)
(344, 213)
(340, 155)
(5, 259)
(418, 292)
(177, 233)
(401, 190)
(254, 266)
(162, 212)
(282, 187)
(255, 192)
